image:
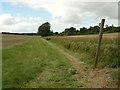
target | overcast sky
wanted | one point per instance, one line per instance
(27, 15)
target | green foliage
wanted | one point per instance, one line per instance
(93, 30)
(70, 31)
(83, 30)
(111, 29)
(44, 29)
(90, 30)
(55, 33)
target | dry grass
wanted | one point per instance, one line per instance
(88, 43)
(8, 40)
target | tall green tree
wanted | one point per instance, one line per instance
(83, 30)
(70, 31)
(44, 29)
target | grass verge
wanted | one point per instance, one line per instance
(35, 64)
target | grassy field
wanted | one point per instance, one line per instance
(61, 62)
(35, 64)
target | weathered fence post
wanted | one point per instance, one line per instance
(99, 42)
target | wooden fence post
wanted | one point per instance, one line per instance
(99, 42)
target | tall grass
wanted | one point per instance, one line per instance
(85, 49)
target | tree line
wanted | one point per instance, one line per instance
(31, 34)
(44, 30)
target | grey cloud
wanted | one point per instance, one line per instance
(102, 9)
(73, 11)
(76, 11)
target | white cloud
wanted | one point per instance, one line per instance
(6, 19)
(18, 23)
(102, 9)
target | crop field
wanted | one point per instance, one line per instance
(8, 40)
(60, 62)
